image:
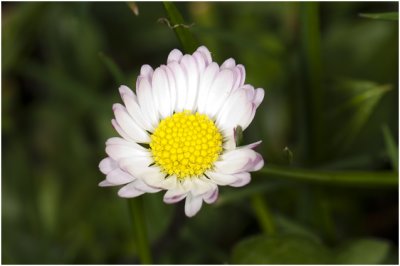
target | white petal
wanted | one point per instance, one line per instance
(229, 141)
(146, 103)
(174, 195)
(180, 85)
(169, 182)
(119, 177)
(174, 55)
(258, 97)
(219, 92)
(135, 165)
(129, 191)
(211, 196)
(252, 145)
(107, 165)
(129, 126)
(125, 90)
(172, 88)
(161, 92)
(200, 61)
(146, 71)
(206, 80)
(250, 92)
(192, 205)
(105, 183)
(142, 186)
(232, 111)
(120, 131)
(242, 179)
(221, 178)
(118, 148)
(135, 112)
(247, 117)
(242, 74)
(192, 75)
(187, 184)
(151, 175)
(229, 63)
(256, 164)
(201, 185)
(235, 161)
(206, 53)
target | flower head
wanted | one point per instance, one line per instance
(178, 131)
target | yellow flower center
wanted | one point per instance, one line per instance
(186, 144)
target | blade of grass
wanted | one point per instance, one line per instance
(382, 16)
(341, 178)
(391, 147)
(262, 212)
(112, 67)
(185, 37)
(140, 230)
(312, 97)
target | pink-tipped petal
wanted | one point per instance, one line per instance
(119, 177)
(258, 97)
(174, 56)
(229, 63)
(211, 196)
(221, 178)
(107, 165)
(192, 205)
(242, 179)
(174, 195)
(129, 191)
(206, 53)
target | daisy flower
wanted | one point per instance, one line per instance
(178, 131)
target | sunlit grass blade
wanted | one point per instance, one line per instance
(340, 178)
(391, 147)
(178, 24)
(381, 16)
(133, 7)
(113, 68)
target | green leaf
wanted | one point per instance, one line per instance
(382, 16)
(238, 132)
(391, 147)
(362, 99)
(291, 227)
(263, 214)
(363, 251)
(280, 250)
(177, 23)
(113, 68)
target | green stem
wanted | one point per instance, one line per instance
(311, 58)
(185, 37)
(345, 178)
(140, 230)
(263, 215)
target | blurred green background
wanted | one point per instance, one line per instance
(331, 104)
